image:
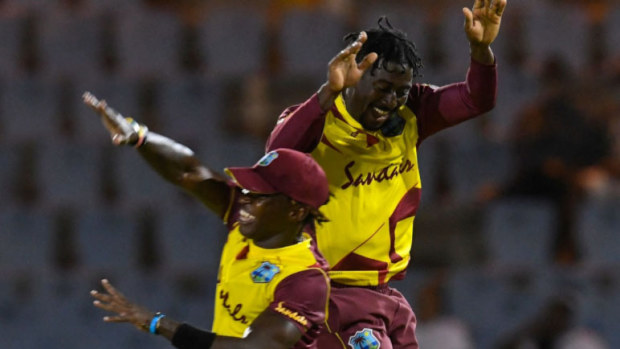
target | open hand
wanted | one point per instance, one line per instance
(343, 70)
(126, 311)
(482, 22)
(121, 131)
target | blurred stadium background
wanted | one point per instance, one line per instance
(215, 75)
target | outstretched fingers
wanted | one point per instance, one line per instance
(498, 7)
(368, 61)
(113, 292)
(99, 106)
(469, 18)
(101, 297)
(353, 48)
(113, 307)
(478, 4)
(118, 318)
(89, 98)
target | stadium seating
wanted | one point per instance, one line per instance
(190, 109)
(519, 232)
(26, 237)
(150, 43)
(191, 239)
(309, 39)
(612, 31)
(70, 174)
(598, 232)
(493, 301)
(75, 208)
(556, 29)
(11, 29)
(107, 239)
(138, 185)
(475, 163)
(70, 43)
(28, 109)
(10, 163)
(233, 40)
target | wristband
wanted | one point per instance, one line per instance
(155, 323)
(140, 129)
(189, 337)
(141, 136)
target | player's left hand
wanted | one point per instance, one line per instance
(119, 128)
(482, 22)
(126, 311)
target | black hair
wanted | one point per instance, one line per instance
(391, 44)
(315, 216)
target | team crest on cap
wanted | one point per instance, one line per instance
(264, 273)
(364, 339)
(268, 158)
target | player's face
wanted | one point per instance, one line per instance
(378, 94)
(264, 218)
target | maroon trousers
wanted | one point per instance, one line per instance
(369, 318)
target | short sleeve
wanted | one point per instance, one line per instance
(303, 299)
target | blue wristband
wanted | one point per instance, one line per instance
(155, 323)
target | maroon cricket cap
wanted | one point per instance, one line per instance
(290, 172)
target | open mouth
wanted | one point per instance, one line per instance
(245, 217)
(380, 112)
(379, 115)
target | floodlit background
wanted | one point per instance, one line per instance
(520, 219)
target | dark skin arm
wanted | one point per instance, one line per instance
(481, 27)
(269, 330)
(173, 161)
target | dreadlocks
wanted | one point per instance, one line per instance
(391, 44)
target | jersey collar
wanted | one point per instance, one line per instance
(295, 249)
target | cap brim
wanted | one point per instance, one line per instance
(248, 178)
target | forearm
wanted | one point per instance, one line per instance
(482, 54)
(173, 161)
(449, 105)
(326, 97)
(184, 336)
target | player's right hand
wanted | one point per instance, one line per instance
(123, 309)
(121, 131)
(344, 71)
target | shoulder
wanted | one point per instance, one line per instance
(420, 89)
(288, 111)
(310, 282)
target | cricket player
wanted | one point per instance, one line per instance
(272, 289)
(364, 126)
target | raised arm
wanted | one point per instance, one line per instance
(343, 71)
(173, 161)
(437, 108)
(269, 331)
(300, 127)
(482, 25)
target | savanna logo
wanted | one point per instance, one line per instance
(364, 339)
(386, 173)
(268, 158)
(291, 314)
(264, 273)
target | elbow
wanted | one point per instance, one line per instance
(192, 176)
(485, 103)
(488, 105)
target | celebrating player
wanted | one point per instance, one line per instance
(272, 290)
(364, 127)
